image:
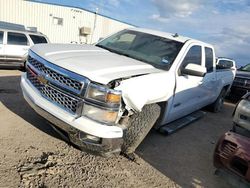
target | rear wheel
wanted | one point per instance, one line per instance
(218, 104)
(138, 126)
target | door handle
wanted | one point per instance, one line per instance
(25, 48)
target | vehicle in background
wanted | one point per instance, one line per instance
(223, 63)
(232, 152)
(241, 83)
(106, 97)
(15, 42)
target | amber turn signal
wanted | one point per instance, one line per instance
(113, 98)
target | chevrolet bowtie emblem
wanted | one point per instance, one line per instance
(42, 79)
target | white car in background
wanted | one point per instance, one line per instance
(14, 46)
(224, 63)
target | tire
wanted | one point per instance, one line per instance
(218, 104)
(138, 126)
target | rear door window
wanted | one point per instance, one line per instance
(38, 39)
(209, 59)
(1, 37)
(17, 39)
(225, 64)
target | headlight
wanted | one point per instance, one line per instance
(99, 114)
(107, 104)
(102, 94)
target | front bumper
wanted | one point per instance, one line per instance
(110, 136)
(12, 64)
(232, 153)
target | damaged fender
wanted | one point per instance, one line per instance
(147, 89)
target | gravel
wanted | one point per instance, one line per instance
(33, 155)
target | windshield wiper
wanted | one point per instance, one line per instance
(104, 47)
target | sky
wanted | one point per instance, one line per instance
(223, 23)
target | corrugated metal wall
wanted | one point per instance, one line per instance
(43, 17)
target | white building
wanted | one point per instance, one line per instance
(62, 24)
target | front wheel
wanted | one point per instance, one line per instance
(138, 126)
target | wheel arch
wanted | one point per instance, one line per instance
(163, 105)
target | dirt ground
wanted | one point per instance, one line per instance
(33, 155)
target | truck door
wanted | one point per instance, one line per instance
(208, 86)
(17, 46)
(187, 94)
(2, 56)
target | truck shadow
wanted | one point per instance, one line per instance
(186, 157)
(11, 97)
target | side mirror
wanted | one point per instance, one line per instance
(194, 70)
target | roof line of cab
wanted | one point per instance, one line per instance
(172, 36)
(227, 58)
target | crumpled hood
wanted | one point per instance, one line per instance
(243, 74)
(95, 63)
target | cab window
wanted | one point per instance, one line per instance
(225, 64)
(38, 39)
(17, 39)
(1, 37)
(209, 59)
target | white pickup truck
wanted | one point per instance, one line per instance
(106, 97)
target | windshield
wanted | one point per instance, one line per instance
(154, 50)
(246, 68)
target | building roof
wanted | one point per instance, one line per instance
(56, 4)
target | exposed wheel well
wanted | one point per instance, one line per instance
(163, 106)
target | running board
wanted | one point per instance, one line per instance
(180, 123)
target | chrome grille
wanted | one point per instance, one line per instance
(76, 85)
(60, 98)
(32, 76)
(66, 101)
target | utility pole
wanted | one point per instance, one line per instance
(96, 14)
